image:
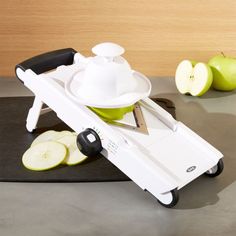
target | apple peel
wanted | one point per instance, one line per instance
(224, 72)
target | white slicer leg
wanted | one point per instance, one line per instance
(33, 115)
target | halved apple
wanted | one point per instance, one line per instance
(194, 79)
(44, 156)
(74, 156)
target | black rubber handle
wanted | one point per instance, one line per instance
(48, 61)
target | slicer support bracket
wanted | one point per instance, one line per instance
(34, 112)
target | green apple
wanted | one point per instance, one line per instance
(193, 78)
(112, 113)
(44, 156)
(224, 72)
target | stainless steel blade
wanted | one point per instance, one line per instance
(139, 120)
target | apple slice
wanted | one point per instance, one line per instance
(193, 79)
(46, 136)
(44, 156)
(74, 156)
(63, 133)
(51, 135)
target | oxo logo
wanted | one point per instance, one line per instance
(191, 168)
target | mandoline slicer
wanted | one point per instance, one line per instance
(161, 158)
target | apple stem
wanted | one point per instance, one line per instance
(222, 54)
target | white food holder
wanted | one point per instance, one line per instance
(107, 80)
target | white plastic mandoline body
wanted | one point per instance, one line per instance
(157, 162)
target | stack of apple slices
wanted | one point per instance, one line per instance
(51, 149)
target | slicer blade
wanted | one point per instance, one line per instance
(139, 120)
